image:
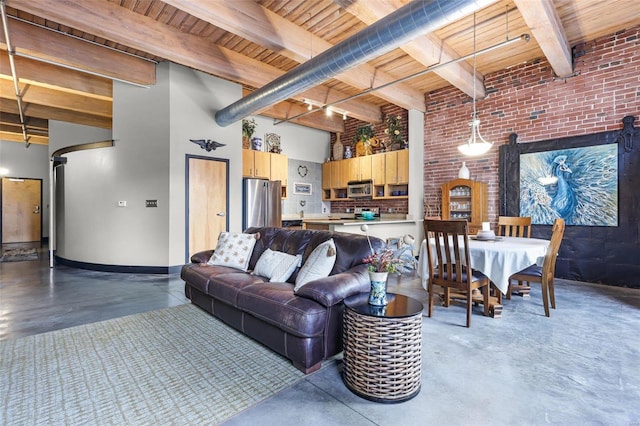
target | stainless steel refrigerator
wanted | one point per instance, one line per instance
(262, 205)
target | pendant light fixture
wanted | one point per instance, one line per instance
(476, 145)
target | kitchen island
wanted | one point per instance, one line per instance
(383, 228)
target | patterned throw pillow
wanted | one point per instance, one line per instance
(276, 265)
(233, 250)
(318, 265)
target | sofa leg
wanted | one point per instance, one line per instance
(308, 370)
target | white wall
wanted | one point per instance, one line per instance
(297, 142)
(32, 163)
(151, 128)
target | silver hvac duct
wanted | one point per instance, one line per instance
(390, 32)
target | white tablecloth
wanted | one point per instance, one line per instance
(498, 259)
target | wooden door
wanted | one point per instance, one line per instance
(21, 210)
(208, 195)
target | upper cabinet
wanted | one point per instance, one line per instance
(466, 199)
(266, 165)
(389, 172)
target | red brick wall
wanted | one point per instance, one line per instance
(530, 101)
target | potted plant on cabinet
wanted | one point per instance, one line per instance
(248, 129)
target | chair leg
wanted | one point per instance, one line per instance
(447, 296)
(552, 295)
(509, 290)
(430, 307)
(485, 293)
(469, 304)
(545, 296)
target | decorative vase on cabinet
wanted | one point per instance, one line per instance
(463, 173)
(347, 152)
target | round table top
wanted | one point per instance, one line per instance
(399, 306)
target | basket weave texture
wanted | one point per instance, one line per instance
(382, 356)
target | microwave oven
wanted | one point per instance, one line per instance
(360, 189)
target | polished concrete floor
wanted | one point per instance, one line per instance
(580, 366)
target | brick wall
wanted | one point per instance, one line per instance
(531, 102)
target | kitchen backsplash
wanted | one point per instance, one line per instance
(305, 173)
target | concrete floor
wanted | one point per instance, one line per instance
(580, 366)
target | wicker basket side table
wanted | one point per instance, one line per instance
(382, 359)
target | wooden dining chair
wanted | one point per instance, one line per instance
(448, 258)
(544, 274)
(510, 226)
(514, 226)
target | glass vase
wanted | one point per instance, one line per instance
(378, 293)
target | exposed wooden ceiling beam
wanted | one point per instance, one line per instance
(427, 49)
(47, 75)
(115, 23)
(283, 110)
(51, 46)
(543, 20)
(44, 96)
(51, 113)
(264, 27)
(9, 119)
(17, 137)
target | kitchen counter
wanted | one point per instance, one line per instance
(383, 228)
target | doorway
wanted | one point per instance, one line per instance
(207, 202)
(21, 210)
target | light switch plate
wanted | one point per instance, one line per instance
(122, 204)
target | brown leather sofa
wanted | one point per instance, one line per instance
(306, 326)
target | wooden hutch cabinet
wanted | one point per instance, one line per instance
(466, 199)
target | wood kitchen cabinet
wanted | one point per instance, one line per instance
(359, 168)
(266, 165)
(280, 170)
(466, 199)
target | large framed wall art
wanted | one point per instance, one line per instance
(579, 185)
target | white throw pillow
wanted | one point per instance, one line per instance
(233, 250)
(276, 265)
(318, 265)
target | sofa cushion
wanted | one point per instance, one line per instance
(226, 287)
(276, 265)
(318, 265)
(276, 304)
(233, 250)
(198, 274)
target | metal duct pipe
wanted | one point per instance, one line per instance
(12, 65)
(390, 32)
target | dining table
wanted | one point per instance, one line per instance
(497, 258)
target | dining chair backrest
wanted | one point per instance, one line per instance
(450, 252)
(510, 226)
(549, 265)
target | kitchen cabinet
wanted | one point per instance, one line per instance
(389, 172)
(266, 165)
(466, 199)
(280, 170)
(256, 164)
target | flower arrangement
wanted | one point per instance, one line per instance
(394, 129)
(393, 258)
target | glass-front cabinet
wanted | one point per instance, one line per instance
(465, 199)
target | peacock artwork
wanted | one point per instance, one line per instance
(579, 185)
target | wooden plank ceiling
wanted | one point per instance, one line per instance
(68, 52)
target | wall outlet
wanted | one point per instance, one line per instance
(122, 204)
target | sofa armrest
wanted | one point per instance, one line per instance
(334, 289)
(201, 256)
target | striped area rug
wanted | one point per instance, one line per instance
(177, 366)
